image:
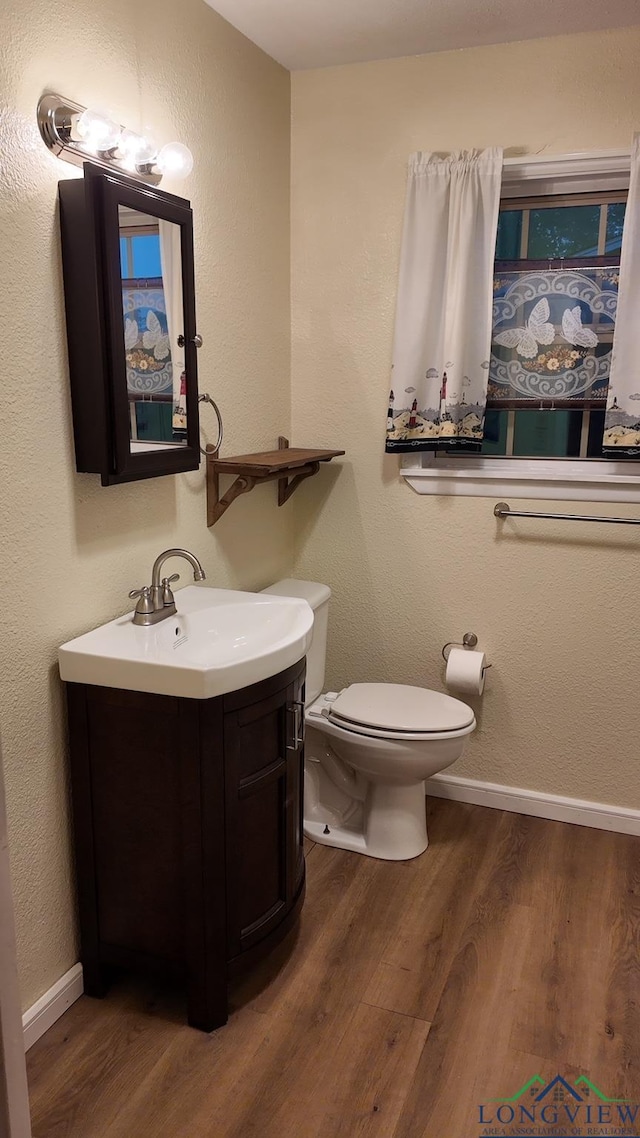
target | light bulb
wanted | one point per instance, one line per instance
(136, 149)
(175, 160)
(98, 131)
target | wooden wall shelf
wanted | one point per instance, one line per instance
(289, 465)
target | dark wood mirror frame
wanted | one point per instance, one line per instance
(95, 325)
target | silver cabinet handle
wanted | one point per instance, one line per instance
(296, 708)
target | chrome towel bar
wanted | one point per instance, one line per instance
(503, 510)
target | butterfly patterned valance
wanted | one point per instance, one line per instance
(552, 335)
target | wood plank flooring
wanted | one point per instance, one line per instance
(411, 992)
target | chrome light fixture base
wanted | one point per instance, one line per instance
(57, 120)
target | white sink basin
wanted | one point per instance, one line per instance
(219, 641)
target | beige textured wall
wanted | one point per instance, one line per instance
(70, 549)
(552, 604)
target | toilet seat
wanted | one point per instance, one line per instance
(399, 711)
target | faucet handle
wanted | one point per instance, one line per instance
(145, 604)
(167, 595)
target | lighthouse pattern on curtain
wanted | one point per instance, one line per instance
(449, 414)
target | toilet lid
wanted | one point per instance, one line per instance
(399, 707)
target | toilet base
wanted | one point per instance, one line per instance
(391, 824)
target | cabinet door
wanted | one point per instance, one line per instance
(127, 254)
(263, 792)
(130, 765)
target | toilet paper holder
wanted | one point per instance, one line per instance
(469, 640)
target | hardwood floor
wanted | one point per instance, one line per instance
(412, 992)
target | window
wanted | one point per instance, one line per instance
(545, 409)
(555, 288)
(140, 256)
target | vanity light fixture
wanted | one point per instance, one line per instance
(175, 159)
(136, 149)
(78, 134)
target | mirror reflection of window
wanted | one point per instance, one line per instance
(152, 305)
(140, 256)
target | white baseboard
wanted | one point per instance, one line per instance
(52, 1005)
(578, 811)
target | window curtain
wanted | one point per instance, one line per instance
(171, 262)
(442, 340)
(622, 419)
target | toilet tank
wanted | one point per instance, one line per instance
(317, 596)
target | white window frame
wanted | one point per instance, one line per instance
(485, 476)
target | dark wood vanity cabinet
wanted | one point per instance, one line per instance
(188, 832)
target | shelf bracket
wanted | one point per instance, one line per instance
(287, 486)
(217, 506)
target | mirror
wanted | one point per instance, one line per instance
(152, 305)
(127, 253)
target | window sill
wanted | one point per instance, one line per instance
(560, 480)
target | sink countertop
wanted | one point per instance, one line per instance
(219, 641)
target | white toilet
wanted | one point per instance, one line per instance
(368, 750)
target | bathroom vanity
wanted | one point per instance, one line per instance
(188, 831)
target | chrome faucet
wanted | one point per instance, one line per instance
(156, 601)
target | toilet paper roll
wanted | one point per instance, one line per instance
(465, 671)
